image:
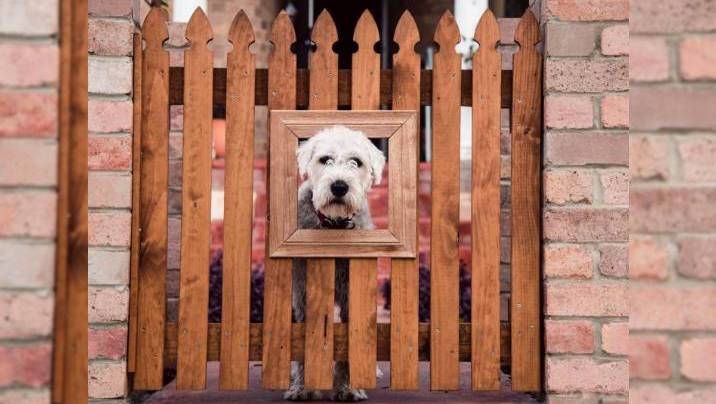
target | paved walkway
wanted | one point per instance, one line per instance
(378, 396)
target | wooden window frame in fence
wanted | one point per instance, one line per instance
(398, 240)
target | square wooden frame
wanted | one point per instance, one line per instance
(398, 240)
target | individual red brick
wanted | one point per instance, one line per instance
(109, 190)
(26, 365)
(586, 224)
(107, 116)
(25, 315)
(110, 75)
(649, 157)
(586, 374)
(19, 272)
(649, 357)
(176, 117)
(668, 16)
(615, 186)
(568, 111)
(110, 8)
(567, 186)
(697, 257)
(28, 162)
(615, 40)
(664, 393)
(615, 338)
(175, 173)
(107, 343)
(32, 114)
(588, 10)
(566, 148)
(696, 57)
(27, 65)
(174, 243)
(110, 37)
(648, 259)
(586, 75)
(648, 59)
(614, 260)
(697, 152)
(567, 261)
(698, 359)
(676, 209)
(582, 298)
(615, 111)
(30, 18)
(567, 336)
(107, 304)
(110, 152)
(570, 39)
(108, 267)
(28, 214)
(176, 144)
(688, 108)
(25, 396)
(107, 379)
(110, 228)
(653, 307)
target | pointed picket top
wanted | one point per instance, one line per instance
(487, 32)
(154, 29)
(447, 34)
(406, 33)
(198, 30)
(527, 33)
(241, 32)
(366, 32)
(324, 33)
(282, 32)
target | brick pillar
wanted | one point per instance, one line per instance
(28, 199)
(673, 202)
(586, 191)
(110, 157)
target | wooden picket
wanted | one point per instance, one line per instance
(445, 212)
(238, 207)
(153, 204)
(486, 67)
(320, 272)
(404, 271)
(363, 290)
(196, 201)
(445, 342)
(526, 208)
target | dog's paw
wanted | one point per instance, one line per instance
(298, 393)
(350, 395)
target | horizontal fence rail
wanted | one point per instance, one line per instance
(358, 341)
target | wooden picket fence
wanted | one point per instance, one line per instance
(187, 345)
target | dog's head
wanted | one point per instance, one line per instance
(340, 165)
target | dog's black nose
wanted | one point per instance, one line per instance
(339, 188)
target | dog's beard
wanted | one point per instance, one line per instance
(338, 208)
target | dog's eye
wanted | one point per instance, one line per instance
(356, 162)
(325, 160)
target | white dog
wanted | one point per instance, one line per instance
(339, 166)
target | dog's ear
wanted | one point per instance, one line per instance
(377, 162)
(304, 154)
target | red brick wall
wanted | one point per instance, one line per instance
(110, 192)
(586, 191)
(673, 209)
(28, 179)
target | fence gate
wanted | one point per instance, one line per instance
(187, 345)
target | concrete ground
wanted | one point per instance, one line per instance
(378, 396)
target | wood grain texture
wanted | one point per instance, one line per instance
(196, 206)
(320, 272)
(445, 195)
(136, 169)
(486, 207)
(153, 204)
(340, 342)
(404, 272)
(344, 87)
(526, 200)
(362, 273)
(70, 345)
(238, 207)
(276, 356)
